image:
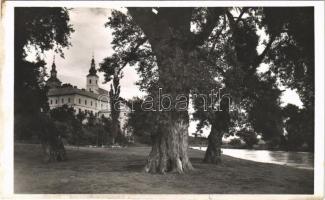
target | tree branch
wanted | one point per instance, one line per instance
(231, 19)
(260, 57)
(217, 36)
(133, 50)
(233, 23)
(241, 14)
(212, 20)
(145, 18)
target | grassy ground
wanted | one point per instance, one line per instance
(94, 170)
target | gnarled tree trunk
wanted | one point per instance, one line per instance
(169, 150)
(170, 146)
(213, 152)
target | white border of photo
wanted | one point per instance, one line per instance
(7, 83)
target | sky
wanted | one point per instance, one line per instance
(91, 37)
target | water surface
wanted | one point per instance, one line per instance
(303, 160)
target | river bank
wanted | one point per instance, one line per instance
(120, 170)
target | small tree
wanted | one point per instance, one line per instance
(236, 142)
(66, 115)
(298, 133)
(50, 134)
(141, 121)
(248, 136)
(112, 67)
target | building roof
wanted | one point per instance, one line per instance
(53, 79)
(102, 91)
(72, 90)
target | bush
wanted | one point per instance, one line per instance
(249, 137)
(236, 142)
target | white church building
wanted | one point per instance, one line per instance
(92, 99)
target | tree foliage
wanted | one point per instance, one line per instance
(299, 128)
(142, 122)
(189, 50)
(38, 29)
(249, 136)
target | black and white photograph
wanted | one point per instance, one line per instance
(164, 98)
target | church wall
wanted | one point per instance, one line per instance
(58, 101)
(78, 102)
(86, 103)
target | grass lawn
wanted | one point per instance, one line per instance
(96, 170)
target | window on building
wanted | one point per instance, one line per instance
(91, 103)
(56, 101)
(89, 81)
(51, 102)
(85, 102)
(79, 101)
(69, 99)
(62, 100)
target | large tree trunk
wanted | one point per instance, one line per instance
(170, 146)
(173, 45)
(169, 150)
(213, 152)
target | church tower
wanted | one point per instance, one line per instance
(92, 78)
(53, 81)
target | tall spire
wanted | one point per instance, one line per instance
(53, 70)
(53, 63)
(92, 70)
(53, 81)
